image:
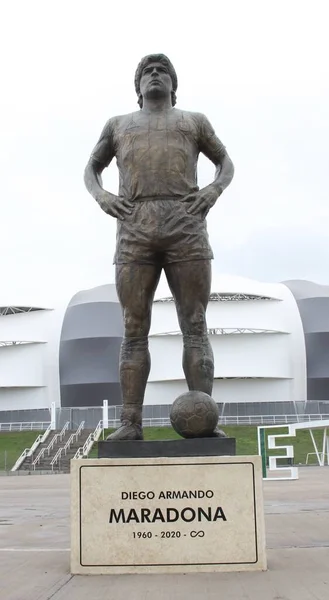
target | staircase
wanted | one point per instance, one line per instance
(63, 464)
(27, 464)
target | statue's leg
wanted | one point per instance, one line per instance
(190, 283)
(136, 285)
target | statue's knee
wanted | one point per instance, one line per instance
(194, 323)
(136, 325)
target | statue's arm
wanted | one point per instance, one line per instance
(93, 179)
(211, 146)
(100, 158)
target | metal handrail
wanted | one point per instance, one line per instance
(20, 459)
(24, 426)
(73, 437)
(270, 419)
(29, 451)
(80, 428)
(236, 420)
(91, 439)
(58, 436)
(65, 428)
(40, 439)
(56, 457)
(64, 449)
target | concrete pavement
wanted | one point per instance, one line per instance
(34, 548)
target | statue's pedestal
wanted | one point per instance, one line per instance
(166, 514)
(150, 449)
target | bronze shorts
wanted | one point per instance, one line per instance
(161, 231)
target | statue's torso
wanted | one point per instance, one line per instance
(157, 153)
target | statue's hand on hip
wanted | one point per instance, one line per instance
(202, 201)
(115, 206)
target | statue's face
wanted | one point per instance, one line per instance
(155, 81)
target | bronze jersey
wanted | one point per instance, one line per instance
(157, 153)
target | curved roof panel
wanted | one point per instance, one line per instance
(101, 293)
(307, 289)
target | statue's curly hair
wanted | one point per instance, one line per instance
(155, 58)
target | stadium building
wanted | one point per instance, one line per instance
(269, 344)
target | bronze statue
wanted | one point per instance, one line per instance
(161, 224)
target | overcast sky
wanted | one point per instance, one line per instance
(259, 71)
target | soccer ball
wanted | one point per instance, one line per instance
(194, 414)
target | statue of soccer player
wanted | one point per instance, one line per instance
(161, 224)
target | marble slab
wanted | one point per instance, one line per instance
(167, 515)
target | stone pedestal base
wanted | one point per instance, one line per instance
(167, 515)
(144, 449)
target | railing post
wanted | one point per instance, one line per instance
(105, 414)
(262, 439)
(53, 416)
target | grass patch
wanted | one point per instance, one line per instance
(12, 445)
(246, 440)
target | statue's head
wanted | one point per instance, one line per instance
(151, 68)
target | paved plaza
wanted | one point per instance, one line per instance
(35, 540)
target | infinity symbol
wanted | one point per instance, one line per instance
(194, 534)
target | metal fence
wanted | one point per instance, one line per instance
(90, 415)
(25, 426)
(239, 413)
(242, 420)
(270, 419)
(26, 415)
(114, 421)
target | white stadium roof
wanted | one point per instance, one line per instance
(230, 285)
